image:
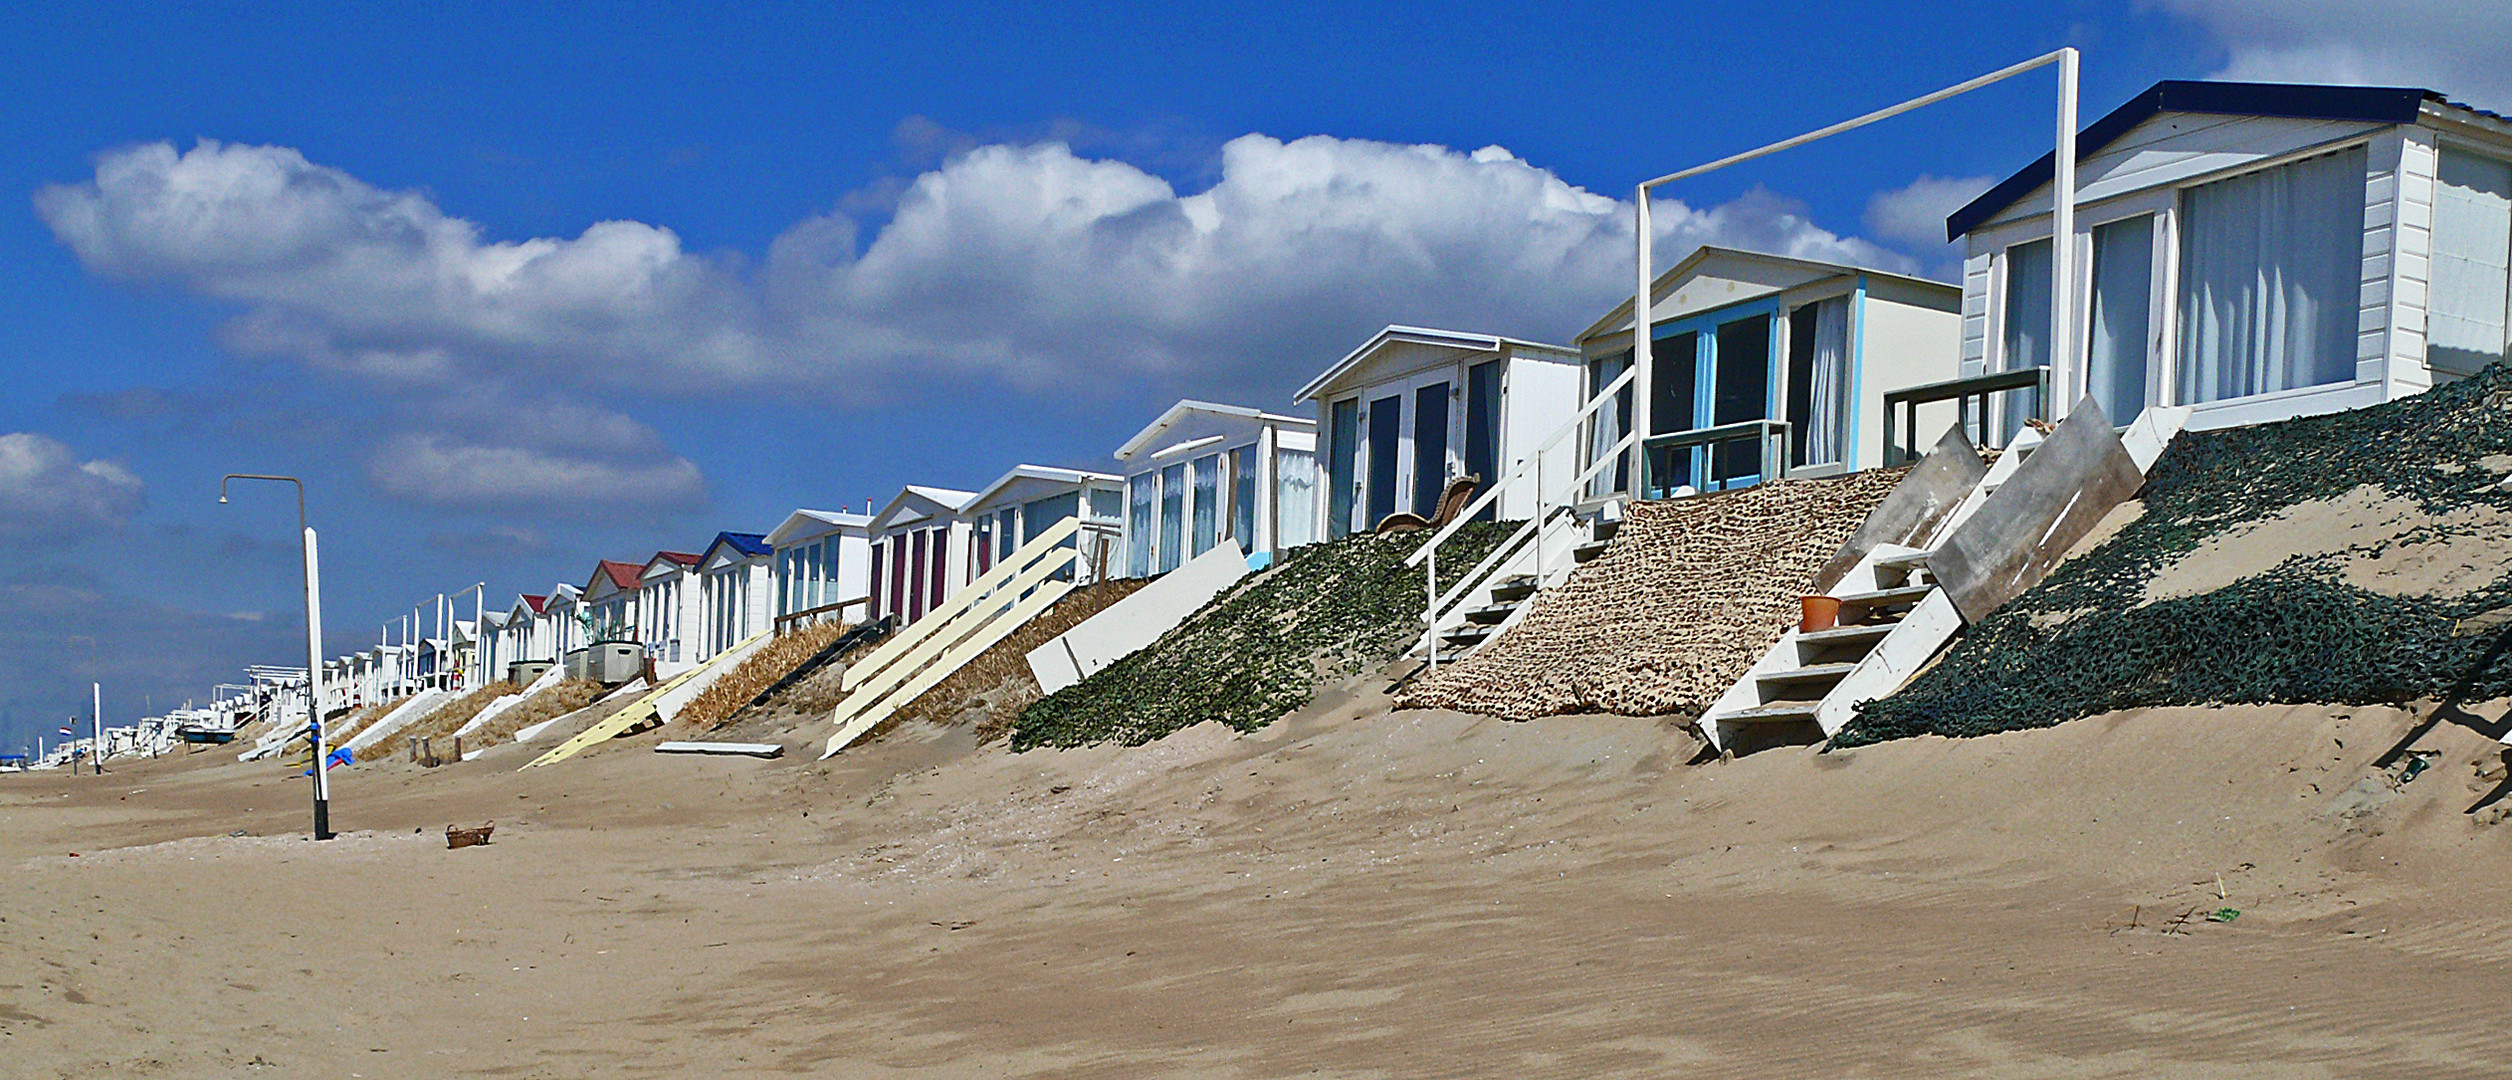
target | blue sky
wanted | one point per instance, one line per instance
(516, 289)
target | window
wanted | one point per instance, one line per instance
(1207, 509)
(1430, 447)
(1482, 427)
(1243, 497)
(1740, 390)
(2472, 263)
(1138, 524)
(1343, 457)
(2123, 296)
(1386, 435)
(1818, 382)
(2026, 341)
(1295, 498)
(1609, 423)
(1106, 504)
(1172, 516)
(2270, 264)
(1040, 515)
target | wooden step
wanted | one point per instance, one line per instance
(1908, 594)
(1587, 551)
(1910, 560)
(1510, 590)
(1468, 634)
(1605, 528)
(1776, 713)
(1488, 615)
(1806, 674)
(1846, 635)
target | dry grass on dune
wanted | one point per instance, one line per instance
(438, 723)
(997, 685)
(550, 704)
(734, 689)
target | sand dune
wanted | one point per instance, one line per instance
(1346, 893)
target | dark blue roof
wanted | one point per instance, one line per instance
(746, 543)
(2371, 104)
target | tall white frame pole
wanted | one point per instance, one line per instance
(2064, 346)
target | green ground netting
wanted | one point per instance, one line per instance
(1254, 654)
(2082, 643)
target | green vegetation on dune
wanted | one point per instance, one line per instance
(2297, 628)
(1257, 651)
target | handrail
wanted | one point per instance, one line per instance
(1909, 398)
(1772, 434)
(1438, 606)
(1576, 421)
(781, 621)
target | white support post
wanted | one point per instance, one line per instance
(1643, 383)
(2064, 346)
(313, 700)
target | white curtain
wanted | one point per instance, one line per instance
(2472, 262)
(2123, 298)
(1294, 500)
(1607, 422)
(1827, 398)
(2270, 265)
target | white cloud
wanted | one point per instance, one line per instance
(1915, 214)
(46, 491)
(2452, 46)
(442, 469)
(1028, 264)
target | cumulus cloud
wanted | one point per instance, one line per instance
(46, 491)
(1915, 213)
(1023, 263)
(2447, 45)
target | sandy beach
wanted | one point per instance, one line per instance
(1346, 893)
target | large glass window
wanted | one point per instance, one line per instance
(1295, 498)
(1343, 457)
(2026, 341)
(1430, 447)
(1482, 427)
(2471, 295)
(1386, 437)
(1172, 516)
(1106, 504)
(2269, 273)
(1243, 497)
(2123, 297)
(1741, 390)
(1818, 382)
(1207, 508)
(1138, 495)
(1609, 423)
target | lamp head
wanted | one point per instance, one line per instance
(222, 498)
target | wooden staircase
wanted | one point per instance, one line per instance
(1896, 615)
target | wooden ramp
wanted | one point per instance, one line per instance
(949, 636)
(647, 708)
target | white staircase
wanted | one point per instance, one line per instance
(1492, 596)
(1893, 619)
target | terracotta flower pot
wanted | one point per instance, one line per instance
(1818, 613)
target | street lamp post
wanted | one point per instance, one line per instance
(313, 651)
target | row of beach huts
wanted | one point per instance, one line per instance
(2242, 253)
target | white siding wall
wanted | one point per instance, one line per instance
(1903, 345)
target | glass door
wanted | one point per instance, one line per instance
(1386, 457)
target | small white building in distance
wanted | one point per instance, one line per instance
(823, 567)
(1030, 499)
(1413, 408)
(922, 549)
(1203, 474)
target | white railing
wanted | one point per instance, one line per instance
(1547, 508)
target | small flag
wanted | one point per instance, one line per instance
(67, 733)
